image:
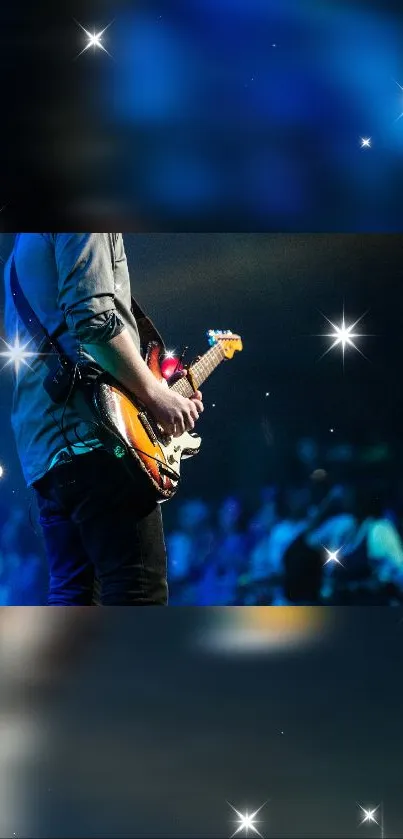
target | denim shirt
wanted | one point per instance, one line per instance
(79, 282)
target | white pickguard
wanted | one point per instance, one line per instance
(179, 448)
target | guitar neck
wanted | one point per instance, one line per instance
(200, 370)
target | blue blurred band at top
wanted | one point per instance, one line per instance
(249, 115)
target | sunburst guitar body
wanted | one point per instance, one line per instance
(129, 431)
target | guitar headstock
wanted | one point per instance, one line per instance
(229, 342)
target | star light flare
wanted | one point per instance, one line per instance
(369, 814)
(17, 354)
(343, 335)
(247, 821)
(365, 142)
(369, 817)
(333, 556)
(94, 39)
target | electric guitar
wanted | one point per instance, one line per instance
(131, 431)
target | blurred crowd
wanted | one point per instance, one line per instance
(329, 531)
(346, 550)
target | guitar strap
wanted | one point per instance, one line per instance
(147, 330)
(45, 345)
(58, 382)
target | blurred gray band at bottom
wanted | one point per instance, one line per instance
(36, 647)
(120, 723)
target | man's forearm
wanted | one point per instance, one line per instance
(121, 358)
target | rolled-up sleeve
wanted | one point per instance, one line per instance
(86, 295)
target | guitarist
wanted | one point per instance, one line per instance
(98, 521)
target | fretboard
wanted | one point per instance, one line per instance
(201, 370)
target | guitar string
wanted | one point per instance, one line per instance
(205, 365)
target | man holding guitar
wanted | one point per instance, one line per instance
(69, 309)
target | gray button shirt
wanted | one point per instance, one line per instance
(80, 281)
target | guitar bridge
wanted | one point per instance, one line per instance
(148, 427)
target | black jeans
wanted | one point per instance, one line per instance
(100, 523)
